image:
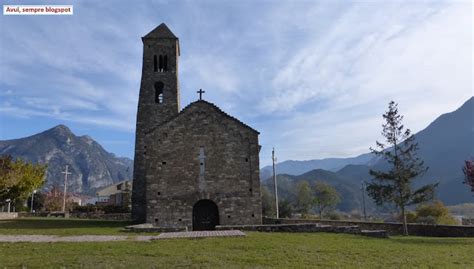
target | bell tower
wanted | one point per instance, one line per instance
(159, 89)
(158, 102)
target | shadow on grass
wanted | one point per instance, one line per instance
(59, 223)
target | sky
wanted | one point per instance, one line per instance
(314, 77)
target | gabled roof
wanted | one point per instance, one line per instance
(113, 189)
(161, 31)
(201, 102)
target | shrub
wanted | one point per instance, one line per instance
(434, 213)
(108, 209)
(426, 220)
(334, 216)
(411, 217)
(21, 207)
(86, 208)
(286, 208)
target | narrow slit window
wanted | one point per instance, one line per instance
(159, 92)
(161, 63)
(155, 63)
(165, 63)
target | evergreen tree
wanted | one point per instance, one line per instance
(395, 185)
(285, 208)
(38, 201)
(268, 202)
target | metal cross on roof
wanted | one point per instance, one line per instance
(200, 93)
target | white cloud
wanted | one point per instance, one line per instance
(414, 55)
(312, 77)
(211, 72)
(55, 112)
(355, 55)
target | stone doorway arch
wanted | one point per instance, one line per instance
(205, 215)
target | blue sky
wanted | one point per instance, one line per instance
(314, 77)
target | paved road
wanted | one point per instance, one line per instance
(199, 234)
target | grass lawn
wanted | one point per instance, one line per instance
(60, 226)
(284, 250)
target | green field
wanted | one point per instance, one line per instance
(60, 226)
(283, 250)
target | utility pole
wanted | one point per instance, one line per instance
(65, 187)
(363, 199)
(275, 184)
(32, 198)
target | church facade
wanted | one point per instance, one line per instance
(197, 167)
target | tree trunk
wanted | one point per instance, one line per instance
(404, 220)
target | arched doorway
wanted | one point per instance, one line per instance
(205, 215)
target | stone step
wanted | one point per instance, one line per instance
(200, 234)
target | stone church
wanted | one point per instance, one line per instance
(195, 167)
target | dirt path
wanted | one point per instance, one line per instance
(78, 238)
(107, 238)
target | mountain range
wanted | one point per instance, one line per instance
(443, 145)
(331, 164)
(90, 165)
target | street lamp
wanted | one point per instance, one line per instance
(8, 201)
(32, 197)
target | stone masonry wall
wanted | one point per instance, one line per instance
(392, 228)
(151, 113)
(6, 215)
(231, 168)
(168, 178)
